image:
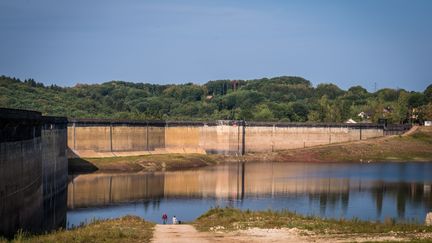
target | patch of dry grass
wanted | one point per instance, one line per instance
(125, 229)
(230, 219)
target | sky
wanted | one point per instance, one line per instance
(346, 42)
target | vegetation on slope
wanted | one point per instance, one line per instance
(275, 99)
(125, 229)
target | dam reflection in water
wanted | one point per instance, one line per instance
(367, 191)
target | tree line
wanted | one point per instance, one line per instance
(286, 98)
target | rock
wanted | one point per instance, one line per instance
(428, 220)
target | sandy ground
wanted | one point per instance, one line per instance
(187, 233)
(179, 233)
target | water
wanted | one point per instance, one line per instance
(367, 191)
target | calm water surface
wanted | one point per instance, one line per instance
(367, 191)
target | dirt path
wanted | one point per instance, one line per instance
(179, 233)
(411, 131)
(188, 233)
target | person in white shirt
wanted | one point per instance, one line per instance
(174, 220)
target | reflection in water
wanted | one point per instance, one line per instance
(102, 190)
(365, 191)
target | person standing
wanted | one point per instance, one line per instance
(164, 218)
(174, 220)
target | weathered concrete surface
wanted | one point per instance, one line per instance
(129, 138)
(183, 139)
(95, 138)
(222, 139)
(105, 138)
(54, 174)
(33, 171)
(20, 185)
(272, 138)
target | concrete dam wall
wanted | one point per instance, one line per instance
(33, 171)
(104, 138)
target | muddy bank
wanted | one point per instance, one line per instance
(144, 163)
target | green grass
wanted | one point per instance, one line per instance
(420, 136)
(234, 219)
(125, 229)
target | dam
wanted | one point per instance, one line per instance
(33, 171)
(34, 151)
(107, 138)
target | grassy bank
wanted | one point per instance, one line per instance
(415, 147)
(234, 219)
(126, 229)
(231, 222)
(230, 219)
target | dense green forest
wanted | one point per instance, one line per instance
(284, 98)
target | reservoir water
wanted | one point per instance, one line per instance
(368, 191)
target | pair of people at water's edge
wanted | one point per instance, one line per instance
(165, 219)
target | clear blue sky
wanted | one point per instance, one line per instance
(345, 42)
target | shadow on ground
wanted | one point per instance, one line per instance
(77, 165)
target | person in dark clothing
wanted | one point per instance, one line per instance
(164, 218)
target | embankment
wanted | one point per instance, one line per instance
(33, 171)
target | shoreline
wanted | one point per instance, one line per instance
(413, 147)
(125, 167)
(234, 225)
